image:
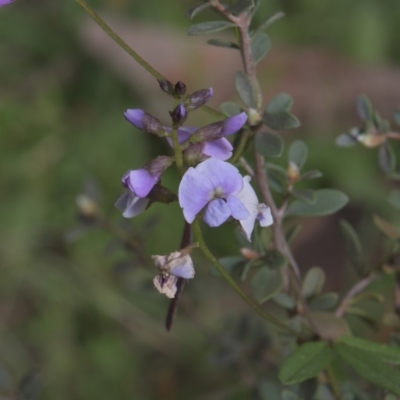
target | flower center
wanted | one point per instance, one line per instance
(218, 193)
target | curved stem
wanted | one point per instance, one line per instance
(206, 251)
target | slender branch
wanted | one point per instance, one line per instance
(177, 151)
(206, 251)
(357, 288)
(246, 166)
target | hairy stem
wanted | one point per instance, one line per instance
(206, 251)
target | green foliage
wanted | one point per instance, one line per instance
(240, 6)
(244, 89)
(223, 43)
(268, 144)
(281, 120)
(205, 28)
(306, 195)
(387, 158)
(305, 362)
(324, 302)
(298, 153)
(193, 11)
(352, 245)
(266, 283)
(260, 46)
(230, 108)
(313, 282)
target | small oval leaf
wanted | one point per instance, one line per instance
(266, 283)
(268, 144)
(313, 174)
(209, 27)
(329, 326)
(394, 198)
(281, 102)
(193, 11)
(230, 108)
(260, 46)
(298, 153)
(244, 89)
(281, 120)
(324, 302)
(387, 158)
(306, 195)
(223, 43)
(364, 107)
(313, 282)
(352, 245)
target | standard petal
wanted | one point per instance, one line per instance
(131, 205)
(220, 149)
(217, 213)
(140, 181)
(184, 268)
(194, 193)
(264, 215)
(238, 210)
(184, 134)
(233, 124)
(225, 178)
(135, 117)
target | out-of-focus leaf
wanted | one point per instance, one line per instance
(298, 153)
(260, 46)
(276, 182)
(313, 282)
(266, 283)
(268, 144)
(223, 43)
(306, 195)
(352, 245)
(396, 117)
(329, 326)
(244, 89)
(308, 388)
(324, 302)
(240, 6)
(313, 174)
(364, 107)
(230, 108)
(284, 300)
(274, 259)
(266, 24)
(30, 386)
(281, 102)
(392, 320)
(204, 28)
(292, 232)
(387, 229)
(327, 202)
(385, 353)
(390, 397)
(369, 365)
(193, 11)
(394, 198)
(387, 158)
(230, 264)
(288, 395)
(280, 120)
(269, 390)
(345, 140)
(305, 362)
(278, 169)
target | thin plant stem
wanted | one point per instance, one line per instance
(206, 251)
(177, 151)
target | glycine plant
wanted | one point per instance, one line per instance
(218, 184)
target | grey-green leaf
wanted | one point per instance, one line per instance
(345, 140)
(394, 198)
(193, 11)
(223, 43)
(289, 395)
(244, 89)
(266, 283)
(230, 264)
(298, 153)
(281, 102)
(240, 6)
(230, 108)
(284, 300)
(327, 201)
(306, 195)
(387, 158)
(266, 24)
(268, 144)
(313, 282)
(260, 46)
(324, 302)
(364, 107)
(313, 174)
(281, 120)
(396, 117)
(274, 259)
(305, 362)
(352, 245)
(209, 27)
(370, 367)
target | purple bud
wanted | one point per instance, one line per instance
(166, 86)
(180, 88)
(144, 121)
(197, 99)
(5, 2)
(219, 129)
(179, 114)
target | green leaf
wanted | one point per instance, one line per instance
(345, 140)
(387, 229)
(230, 264)
(276, 182)
(230, 108)
(244, 89)
(352, 245)
(329, 326)
(281, 102)
(274, 259)
(284, 300)
(369, 366)
(292, 232)
(289, 395)
(387, 158)
(260, 46)
(313, 282)
(266, 283)
(193, 11)
(240, 6)
(298, 153)
(327, 201)
(364, 108)
(281, 120)
(223, 43)
(209, 27)
(266, 24)
(313, 174)
(305, 362)
(268, 144)
(394, 198)
(307, 195)
(324, 302)
(388, 354)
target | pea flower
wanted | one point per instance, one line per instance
(176, 265)
(5, 2)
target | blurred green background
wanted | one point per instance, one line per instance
(78, 317)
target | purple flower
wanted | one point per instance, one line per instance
(131, 205)
(140, 181)
(144, 121)
(5, 2)
(257, 211)
(213, 185)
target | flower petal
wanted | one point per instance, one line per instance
(264, 215)
(135, 117)
(238, 210)
(217, 212)
(184, 134)
(5, 2)
(166, 286)
(224, 176)
(131, 205)
(194, 193)
(220, 149)
(233, 124)
(140, 181)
